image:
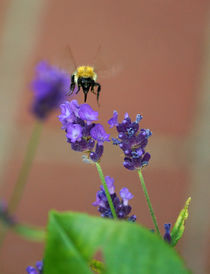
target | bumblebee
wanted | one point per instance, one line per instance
(85, 78)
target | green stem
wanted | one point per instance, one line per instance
(24, 171)
(30, 233)
(22, 177)
(148, 200)
(101, 175)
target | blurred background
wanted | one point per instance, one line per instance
(164, 49)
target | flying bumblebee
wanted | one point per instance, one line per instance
(84, 77)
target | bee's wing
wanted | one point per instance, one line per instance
(66, 60)
(69, 61)
(105, 69)
(62, 58)
(109, 72)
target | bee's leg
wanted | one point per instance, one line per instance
(79, 85)
(78, 88)
(85, 96)
(92, 88)
(72, 86)
(98, 91)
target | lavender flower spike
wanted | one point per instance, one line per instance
(122, 208)
(132, 141)
(49, 87)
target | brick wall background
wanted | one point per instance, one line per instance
(163, 47)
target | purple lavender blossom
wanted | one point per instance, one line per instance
(167, 235)
(35, 270)
(81, 132)
(5, 216)
(121, 206)
(131, 140)
(49, 87)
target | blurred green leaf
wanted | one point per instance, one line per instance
(74, 238)
(31, 233)
(178, 228)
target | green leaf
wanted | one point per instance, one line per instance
(74, 238)
(31, 233)
(178, 228)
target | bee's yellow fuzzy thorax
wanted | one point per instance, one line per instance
(85, 71)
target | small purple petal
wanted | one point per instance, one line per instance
(147, 132)
(113, 121)
(81, 145)
(132, 218)
(98, 133)
(31, 270)
(95, 156)
(110, 184)
(67, 116)
(138, 118)
(39, 265)
(137, 153)
(146, 159)
(125, 195)
(167, 227)
(74, 106)
(167, 235)
(91, 144)
(116, 141)
(87, 113)
(74, 132)
(128, 163)
(126, 116)
(99, 201)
